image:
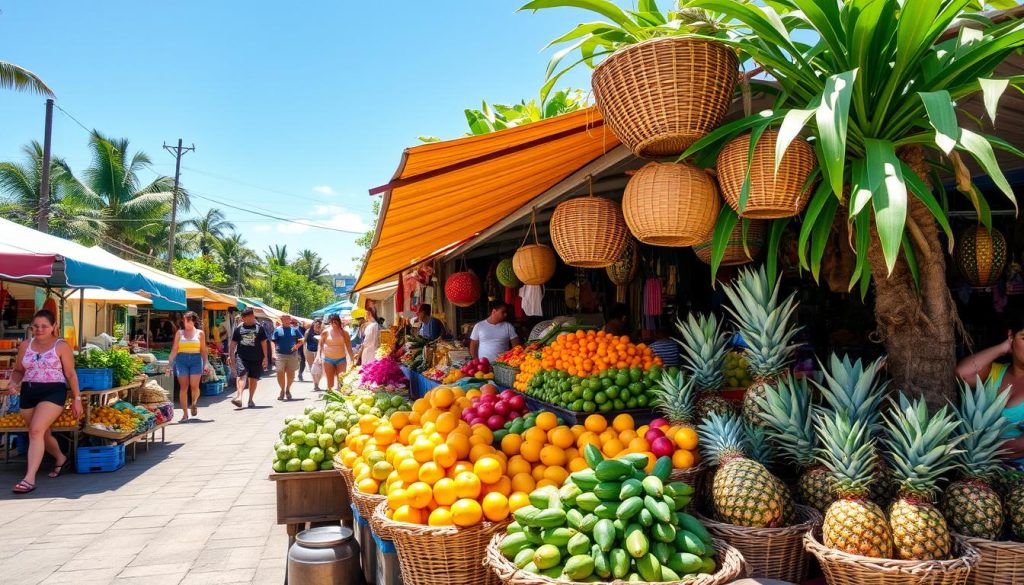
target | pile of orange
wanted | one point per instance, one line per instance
(585, 353)
(435, 468)
(547, 453)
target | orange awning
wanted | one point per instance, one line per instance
(446, 193)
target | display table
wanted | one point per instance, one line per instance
(6, 432)
(310, 496)
(93, 398)
(418, 383)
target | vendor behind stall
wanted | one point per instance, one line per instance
(430, 326)
(617, 322)
(494, 335)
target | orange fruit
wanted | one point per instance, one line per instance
(626, 436)
(421, 405)
(503, 486)
(516, 465)
(530, 451)
(368, 485)
(524, 482)
(588, 438)
(612, 448)
(467, 485)
(441, 397)
(552, 455)
(538, 471)
(536, 435)
(423, 450)
(608, 435)
(546, 421)
(408, 470)
(479, 451)
(518, 500)
(444, 456)
(546, 483)
(495, 507)
(385, 434)
(482, 431)
(596, 423)
(466, 512)
(578, 464)
(444, 491)
(440, 516)
(571, 453)
(488, 469)
(446, 422)
(556, 474)
(397, 498)
(638, 444)
(510, 444)
(408, 514)
(622, 422)
(430, 472)
(561, 437)
(682, 459)
(459, 467)
(651, 460)
(419, 494)
(399, 419)
(460, 444)
(686, 438)
(577, 430)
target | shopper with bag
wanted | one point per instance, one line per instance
(316, 367)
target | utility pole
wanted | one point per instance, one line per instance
(44, 179)
(178, 152)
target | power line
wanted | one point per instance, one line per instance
(267, 215)
(260, 187)
(68, 114)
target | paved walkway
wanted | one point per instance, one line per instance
(196, 510)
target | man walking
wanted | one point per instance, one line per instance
(302, 352)
(248, 353)
(287, 340)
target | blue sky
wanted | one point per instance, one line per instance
(294, 108)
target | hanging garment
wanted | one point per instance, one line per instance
(532, 296)
(400, 298)
(652, 303)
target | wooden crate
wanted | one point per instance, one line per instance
(311, 496)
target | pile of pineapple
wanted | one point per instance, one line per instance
(735, 370)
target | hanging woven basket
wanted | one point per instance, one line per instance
(662, 95)
(533, 264)
(506, 274)
(981, 255)
(623, 270)
(735, 253)
(671, 204)
(589, 232)
(462, 289)
(772, 195)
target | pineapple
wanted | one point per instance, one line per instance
(853, 523)
(674, 398)
(1015, 511)
(705, 346)
(744, 493)
(920, 449)
(765, 324)
(787, 411)
(972, 507)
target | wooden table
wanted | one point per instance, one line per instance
(5, 437)
(310, 496)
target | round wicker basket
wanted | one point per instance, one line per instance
(845, 569)
(694, 477)
(534, 264)
(623, 270)
(771, 553)
(662, 95)
(671, 204)
(730, 566)
(589, 232)
(441, 555)
(364, 503)
(771, 195)
(735, 253)
(1001, 562)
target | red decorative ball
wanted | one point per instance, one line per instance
(462, 289)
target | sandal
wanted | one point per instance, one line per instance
(237, 402)
(23, 487)
(58, 469)
(195, 409)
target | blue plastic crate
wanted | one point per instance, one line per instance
(211, 388)
(99, 459)
(95, 378)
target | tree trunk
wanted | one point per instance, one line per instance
(918, 327)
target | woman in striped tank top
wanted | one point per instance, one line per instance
(188, 358)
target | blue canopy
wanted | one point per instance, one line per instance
(335, 307)
(76, 266)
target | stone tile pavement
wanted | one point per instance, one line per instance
(196, 510)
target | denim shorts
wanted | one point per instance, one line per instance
(188, 364)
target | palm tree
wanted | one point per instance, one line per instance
(237, 259)
(21, 79)
(72, 214)
(311, 265)
(135, 212)
(208, 229)
(276, 255)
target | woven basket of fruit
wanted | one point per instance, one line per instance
(505, 375)
(1000, 561)
(441, 555)
(843, 568)
(364, 503)
(730, 566)
(771, 553)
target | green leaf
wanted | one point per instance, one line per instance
(942, 117)
(925, 196)
(606, 9)
(981, 149)
(587, 28)
(648, 6)
(860, 187)
(792, 124)
(727, 219)
(992, 90)
(890, 197)
(550, 83)
(774, 241)
(709, 146)
(832, 118)
(817, 206)
(911, 258)
(862, 239)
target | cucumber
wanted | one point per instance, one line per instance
(681, 502)
(586, 480)
(586, 501)
(533, 535)
(552, 572)
(663, 532)
(629, 508)
(513, 528)
(662, 551)
(606, 510)
(593, 456)
(608, 490)
(613, 470)
(639, 474)
(652, 486)
(638, 460)
(667, 574)
(649, 567)
(637, 544)
(657, 508)
(602, 567)
(588, 523)
(568, 493)
(525, 515)
(687, 541)
(690, 523)
(512, 544)
(524, 557)
(546, 556)
(646, 518)
(708, 566)
(578, 567)
(574, 518)
(579, 544)
(679, 488)
(685, 563)
(631, 487)
(549, 519)
(662, 468)
(604, 534)
(620, 528)
(540, 498)
(620, 562)
(531, 567)
(558, 536)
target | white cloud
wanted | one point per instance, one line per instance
(334, 217)
(262, 228)
(322, 210)
(324, 190)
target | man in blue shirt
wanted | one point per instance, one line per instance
(287, 340)
(430, 327)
